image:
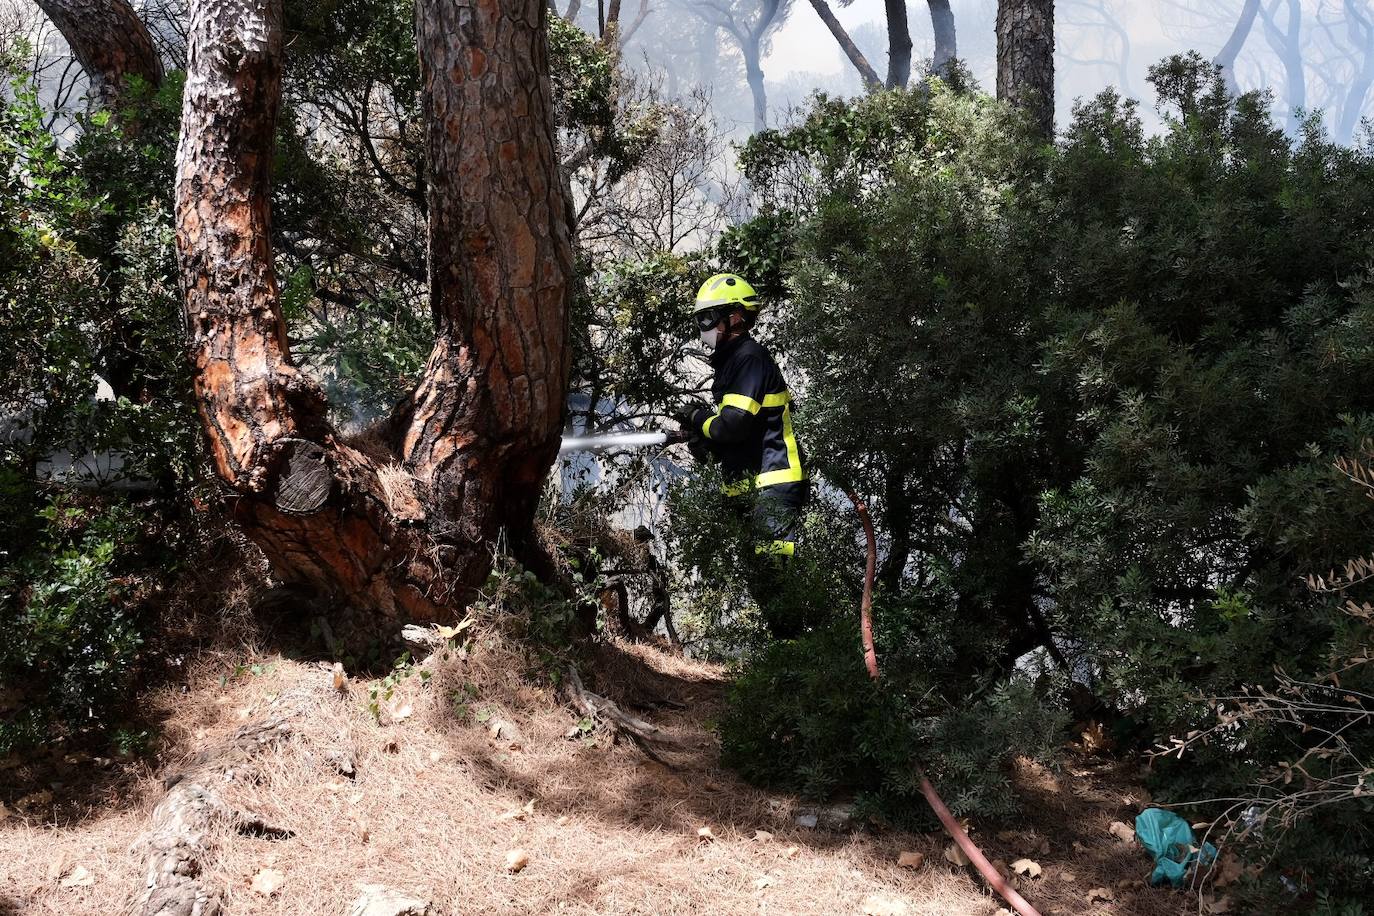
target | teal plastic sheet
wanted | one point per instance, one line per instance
(1168, 838)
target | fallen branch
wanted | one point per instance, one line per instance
(177, 845)
(647, 736)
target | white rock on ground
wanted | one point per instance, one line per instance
(379, 900)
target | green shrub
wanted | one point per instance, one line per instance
(72, 616)
(805, 716)
(1095, 393)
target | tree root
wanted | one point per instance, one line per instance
(648, 737)
(179, 841)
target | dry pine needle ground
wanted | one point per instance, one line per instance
(474, 761)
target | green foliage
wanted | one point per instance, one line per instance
(368, 356)
(805, 716)
(72, 590)
(587, 91)
(1095, 390)
(88, 288)
(88, 293)
(630, 333)
(383, 689)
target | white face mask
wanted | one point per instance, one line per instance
(711, 338)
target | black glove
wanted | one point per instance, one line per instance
(689, 421)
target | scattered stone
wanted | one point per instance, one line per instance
(505, 731)
(267, 882)
(809, 820)
(838, 818)
(79, 876)
(884, 905)
(378, 900)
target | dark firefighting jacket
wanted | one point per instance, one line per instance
(750, 430)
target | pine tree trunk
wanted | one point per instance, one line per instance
(482, 429)
(109, 41)
(1226, 57)
(753, 74)
(946, 41)
(898, 44)
(1025, 58)
(407, 541)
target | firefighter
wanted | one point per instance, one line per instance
(750, 432)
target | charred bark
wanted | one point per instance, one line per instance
(898, 44)
(474, 440)
(109, 41)
(1025, 58)
(946, 39)
(851, 50)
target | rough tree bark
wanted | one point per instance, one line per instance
(1226, 57)
(851, 50)
(898, 43)
(946, 44)
(482, 428)
(109, 41)
(404, 541)
(1025, 58)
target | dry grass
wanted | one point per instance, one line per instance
(431, 809)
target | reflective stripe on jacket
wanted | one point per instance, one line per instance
(751, 428)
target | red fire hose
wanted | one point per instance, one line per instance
(937, 804)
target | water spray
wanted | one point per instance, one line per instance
(609, 441)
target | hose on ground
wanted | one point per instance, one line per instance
(937, 804)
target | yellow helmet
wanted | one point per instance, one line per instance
(727, 291)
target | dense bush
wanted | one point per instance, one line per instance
(73, 607)
(98, 442)
(1095, 393)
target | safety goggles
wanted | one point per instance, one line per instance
(709, 318)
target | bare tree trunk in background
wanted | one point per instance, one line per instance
(1226, 57)
(753, 74)
(628, 35)
(1287, 45)
(1025, 58)
(946, 45)
(109, 41)
(1360, 23)
(898, 43)
(749, 33)
(482, 427)
(851, 50)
